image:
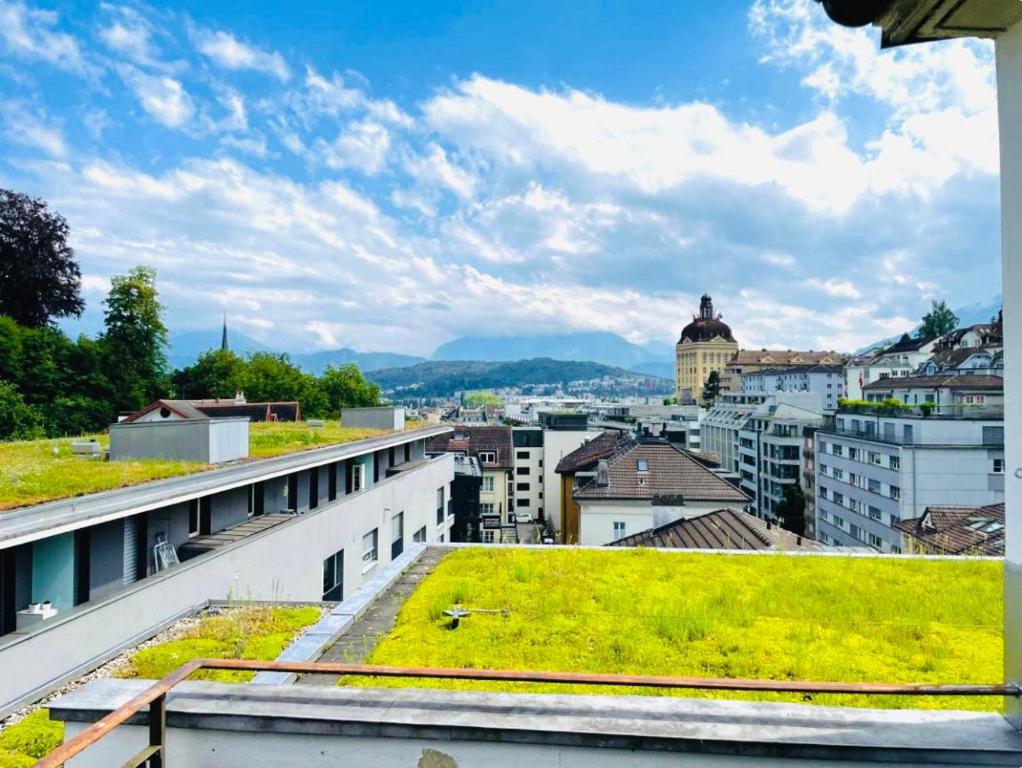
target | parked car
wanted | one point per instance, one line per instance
(523, 517)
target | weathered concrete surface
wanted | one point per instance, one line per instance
(215, 724)
(361, 636)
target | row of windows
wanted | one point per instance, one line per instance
(855, 531)
(867, 510)
(891, 461)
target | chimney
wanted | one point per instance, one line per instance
(239, 398)
(602, 474)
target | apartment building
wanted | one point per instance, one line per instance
(875, 468)
(528, 471)
(944, 393)
(809, 477)
(747, 361)
(827, 381)
(79, 577)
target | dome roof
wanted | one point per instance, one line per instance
(707, 326)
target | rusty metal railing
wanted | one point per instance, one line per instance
(155, 696)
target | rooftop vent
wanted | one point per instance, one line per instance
(602, 474)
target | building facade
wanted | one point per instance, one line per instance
(748, 361)
(528, 471)
(706, 345)
(827, 381)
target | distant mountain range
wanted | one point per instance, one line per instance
(972, 314)
(441, 378)
(654, 359)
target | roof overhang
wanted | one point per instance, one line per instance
(919, 21)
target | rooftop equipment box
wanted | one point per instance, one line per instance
(211, 441)
(386, 417)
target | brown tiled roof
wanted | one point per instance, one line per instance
(722, 529)
(199, 409)
(955, 357)
(906, 344)
(965, 381)
(586, 455)
(672, 476)
(957, 530)
(472, 440)
(785, 357)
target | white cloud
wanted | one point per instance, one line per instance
(231, 53)
(162, 96)
(435, 167)
(130, 35)
(842, 289)
(363, 145)
(30, 34)
(237, 117)
(26, 126)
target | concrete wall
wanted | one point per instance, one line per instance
(229, 508)
(53, 572)
(283, 563)
(172, 522)
(210, 441)
(374, 418)
(106, 559)
(1009, 111)
(557, 445)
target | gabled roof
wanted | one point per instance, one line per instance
(964, 381)
(590, 452)
(906, 344)
(797, 369)
(785, 357)
(671, 477)
(952, 358)
(958, 530)
(472, 440)
(721, 529)
(206, 409)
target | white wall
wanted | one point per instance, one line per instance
(598, 518)
(1009, 108)
(285, 563)
(556, 445)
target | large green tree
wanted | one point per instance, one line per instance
(346, 387)
(18, 420)
(135, 339)
(39, 277)
(939, 321)
(711, 389)
(217, 373)
(792, 509)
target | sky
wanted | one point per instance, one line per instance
(389, 176)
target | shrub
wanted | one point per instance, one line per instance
(30, 739)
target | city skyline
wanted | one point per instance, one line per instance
(394, 180)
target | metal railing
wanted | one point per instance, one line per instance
(155, 696)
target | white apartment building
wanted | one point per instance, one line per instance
(527, 474)
(826, 381)
(874, 469)
(772, 456)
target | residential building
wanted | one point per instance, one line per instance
(957, 393)
(877, 467)
(306, 526)
(827, 381)
(578, 467)
(809, 477)
(774, 441)
(944, 530)
(465, 488)
(865, 369)
(705, 346)
(645, 485)
(493, 449)
(721, 529)
(964, 360)
(528, 471)
(562, 434)
(748, 361)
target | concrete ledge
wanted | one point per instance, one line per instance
(311, 644)
(636, 723)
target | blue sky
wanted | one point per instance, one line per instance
(390, 176)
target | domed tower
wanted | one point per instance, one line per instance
(706, 345)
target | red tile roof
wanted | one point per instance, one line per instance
(957, 530)
(602, 446)
(722, 529)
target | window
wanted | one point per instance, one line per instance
(838, 473)
(419, 537)
(522, 454)
(823, 492)
(486, 509)
(853, 453)
(895, 492)
(823, 469)
(874, 485)
(642, 465)
(823, 447)
(487, 484)
(874, 513)
(619, 530)
(895, 550)
(839, 498)
(523, 502)
(837, 450)
(488, 457)
(895, 462)
(839, 521)
(522, 487)
(439, 506)
(855, 505)
(313, 487)
(824, 515)
(875, 541)
(370, 544)
(358, 477)
(523, 471)
(397, 535)
(874, 458)
(333, 577)
(193, 518)
(331, 484)
(998, 466)
(855, 531)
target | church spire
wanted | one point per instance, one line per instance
(223, 338)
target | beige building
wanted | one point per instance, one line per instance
(754, 360)
(706, 345)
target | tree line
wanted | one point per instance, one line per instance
(53, 385)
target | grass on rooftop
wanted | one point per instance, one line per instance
(237, 633)
(708, 615)
(35, 471)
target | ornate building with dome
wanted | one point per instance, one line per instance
(706, 345)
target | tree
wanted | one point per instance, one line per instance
(479, 399)
(18, 420)
(939, 321)
(217, 373)
(135, 339)
(273, 377)
(346, 387)
(39, 277)
(792, 509)
(711, 389)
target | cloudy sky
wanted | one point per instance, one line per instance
(388, 178)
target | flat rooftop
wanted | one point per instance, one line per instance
(812, 617)
(37, 471)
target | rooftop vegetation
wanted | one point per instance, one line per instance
(34, 471)
(773, 616)
(236, 633)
